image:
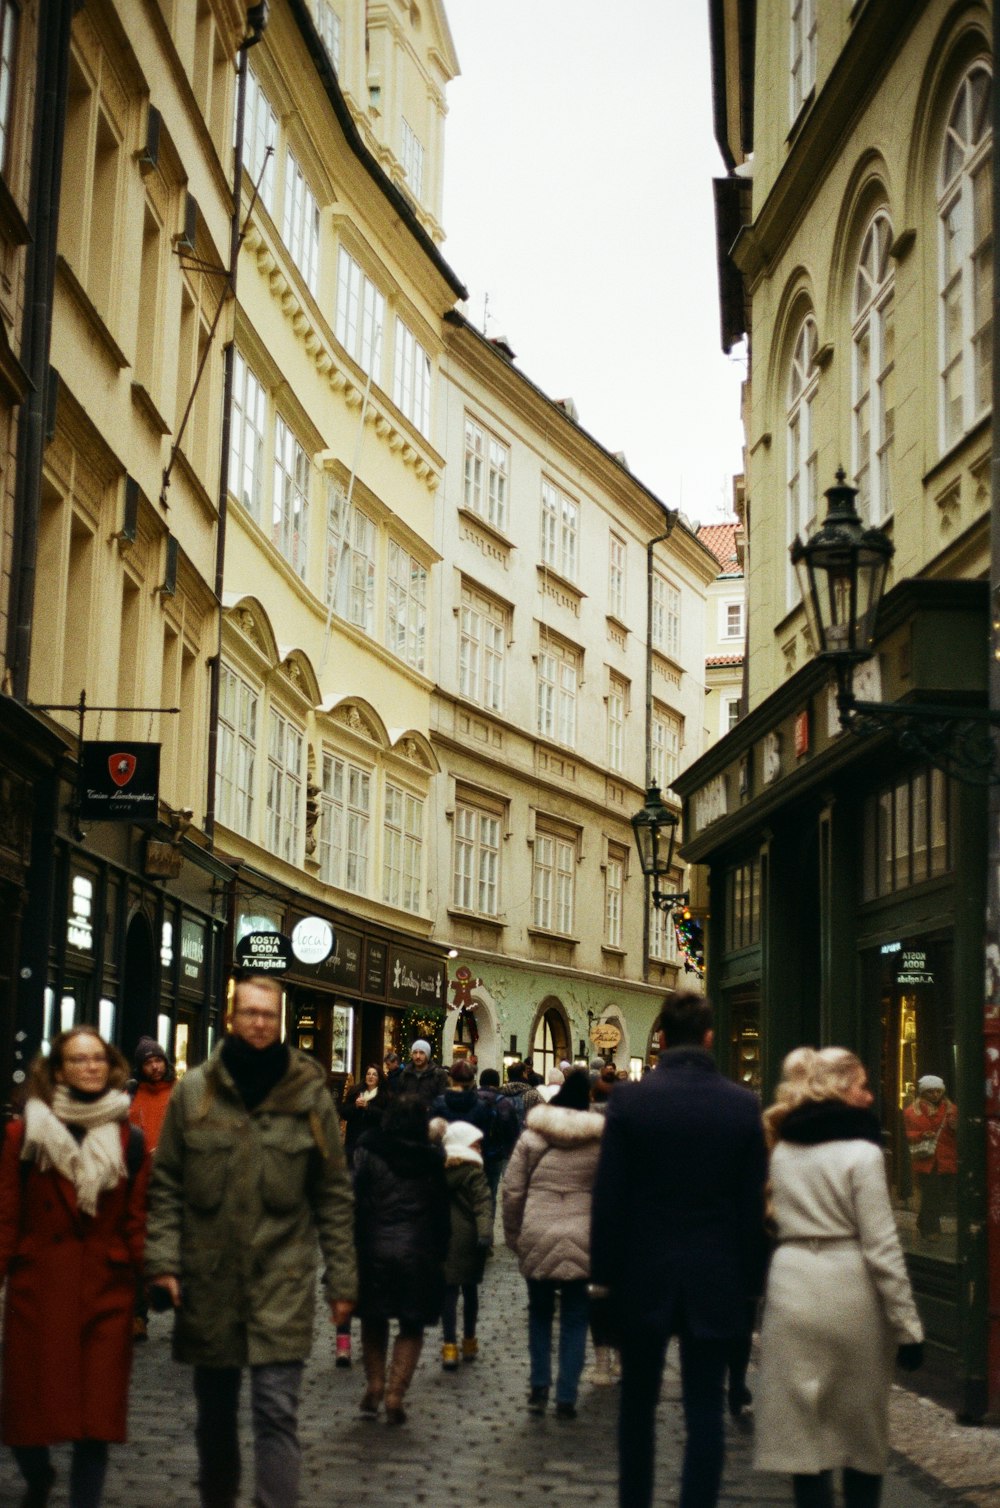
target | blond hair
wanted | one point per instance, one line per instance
(810, 1074)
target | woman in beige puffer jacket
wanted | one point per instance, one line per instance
(546, 1221)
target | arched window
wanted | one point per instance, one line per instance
(550, 1044)
(965, 212)
(872, 375)
(803, 383)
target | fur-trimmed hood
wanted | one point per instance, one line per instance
(563, 1127)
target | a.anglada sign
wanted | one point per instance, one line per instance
(119, 782)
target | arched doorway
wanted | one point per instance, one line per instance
(550, 1038)
(138, 993)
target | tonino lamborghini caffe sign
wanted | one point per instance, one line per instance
(119, 782)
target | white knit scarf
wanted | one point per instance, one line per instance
(92, 1165)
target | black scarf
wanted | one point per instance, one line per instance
(817, 1121)
(254, 1070)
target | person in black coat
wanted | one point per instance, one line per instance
(678, 1242)
(402, 1226)
(461, 1102)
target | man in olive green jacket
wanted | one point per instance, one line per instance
(249, 1177)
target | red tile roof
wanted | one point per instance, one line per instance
(721, 540)
(717, 660)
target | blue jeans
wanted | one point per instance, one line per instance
(573, 1311)
(274, 1405)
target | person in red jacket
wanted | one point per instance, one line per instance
(72, 1223)
(151, 1086)
(931, 1124)
(153, 1082)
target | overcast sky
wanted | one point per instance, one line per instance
(578, 199)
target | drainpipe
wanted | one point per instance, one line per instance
(671, 521)
(257, 22)
(55, 21)
(979, 1157)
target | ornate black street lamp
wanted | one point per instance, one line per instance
(655, 829)
(842, 571)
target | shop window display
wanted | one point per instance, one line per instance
(912, 980)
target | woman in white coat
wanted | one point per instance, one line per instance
(838, 1309)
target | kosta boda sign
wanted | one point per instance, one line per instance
(264, 952)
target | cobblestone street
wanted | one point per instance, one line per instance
(469, 1440)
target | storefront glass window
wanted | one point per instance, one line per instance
(743, 906)
(341, 1038)
(181, 1044)
(911, 980)
(164, 1028)
(106, 1018)
(907, 833)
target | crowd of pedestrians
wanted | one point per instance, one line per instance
(644, 1211)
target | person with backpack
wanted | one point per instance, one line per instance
(150, 1087)
(73, 1177)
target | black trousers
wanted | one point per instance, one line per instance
(703, 1372)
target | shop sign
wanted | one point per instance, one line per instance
(710, 803)
(772, 758)
(376, 955)
(163, 860)
(79, 923)
(119, 782)
(913, 969)
(800, 734)
(415, 978)
(605, 1035)
(192, 952)
(312, 940)
(264, 952)
(343, 965)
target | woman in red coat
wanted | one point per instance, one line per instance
(72, 1224)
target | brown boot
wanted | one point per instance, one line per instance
(405, 1355)
(374, 1344)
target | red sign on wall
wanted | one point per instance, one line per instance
(801, 739)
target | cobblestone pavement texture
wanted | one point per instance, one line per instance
(470, 1441)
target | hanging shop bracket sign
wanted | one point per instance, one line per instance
(115, 782)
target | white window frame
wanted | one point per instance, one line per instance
(300, 222)
(285, 769)
(662, 934)
(614, 893)
(802, 473)
(729, 713)
(236, 767)
(406, 606)
(553, 882)
(485, 475)
(802, 54)
(664, 748)
(351, 544)
(666, 625)
(248, 426)
(411, 378)
(478, 832)
(560, 531)
(402, 848)
(345, 809)
(617, 712)
(330, 28)
(617, 561)
(557, 683)
(412, 158)
(290, 498)
(260, 131)
(359, 322)
(727, 632)
(482, 649)
(965, 270)
(873, 371)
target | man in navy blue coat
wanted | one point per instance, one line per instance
(678, 1240)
